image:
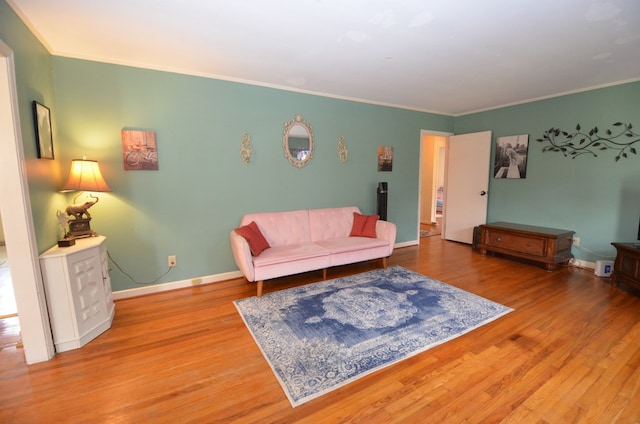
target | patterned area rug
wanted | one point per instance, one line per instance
(321, 336)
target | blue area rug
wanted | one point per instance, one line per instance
(321, 336)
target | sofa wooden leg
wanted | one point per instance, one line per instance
(260, 284)
(384, 263)
(324, 273)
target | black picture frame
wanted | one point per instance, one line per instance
(44, 136)
(511, 154)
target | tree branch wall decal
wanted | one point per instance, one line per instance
(580, 143)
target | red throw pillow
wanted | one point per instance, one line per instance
(253, 235)
(364, 225)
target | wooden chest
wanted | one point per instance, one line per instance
(626, 269)
(548, 246)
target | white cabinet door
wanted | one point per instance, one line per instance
(78, 291)
(87, 289)
(106, 280)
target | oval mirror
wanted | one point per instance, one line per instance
(297, 141)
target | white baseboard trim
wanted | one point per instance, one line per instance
(157, 288)
(580, 263)
(406, 244)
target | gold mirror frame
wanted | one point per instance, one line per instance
(297, 129)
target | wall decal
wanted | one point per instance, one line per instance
(580, 143)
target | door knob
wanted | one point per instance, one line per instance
(482, 193)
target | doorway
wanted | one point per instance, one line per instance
(8, 308)
(432, 181)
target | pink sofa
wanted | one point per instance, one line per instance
(308, 240)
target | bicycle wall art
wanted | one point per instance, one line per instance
(139, 150)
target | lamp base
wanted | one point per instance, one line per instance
(80, 227)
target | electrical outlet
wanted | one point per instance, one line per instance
(172, 261)
(576, 241)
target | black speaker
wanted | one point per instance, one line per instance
(382, 201)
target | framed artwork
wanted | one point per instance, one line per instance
(511, 156)
(44, 137)
(139, 150)
(385, 158)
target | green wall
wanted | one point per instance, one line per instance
(202, 187)
(34, 81)
(596, 197)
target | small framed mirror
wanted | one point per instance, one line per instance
(297, 141)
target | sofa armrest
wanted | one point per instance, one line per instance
(387, 231)
(242, 255)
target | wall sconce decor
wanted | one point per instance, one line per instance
(580, 143)
(245, 147)
(84, 175)
(343, 153)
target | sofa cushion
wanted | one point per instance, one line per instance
(253, 235)
(364, 225)
(290, 253)
(350, 244)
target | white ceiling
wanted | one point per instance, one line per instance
(444, 56)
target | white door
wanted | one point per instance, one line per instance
(467, 185)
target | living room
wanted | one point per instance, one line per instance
(202, 186)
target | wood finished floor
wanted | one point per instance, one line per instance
(569, 353)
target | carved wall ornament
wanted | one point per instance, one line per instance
(342, 149)
(245, 147)
(579, 143)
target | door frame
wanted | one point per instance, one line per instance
(424, 133)
(17, 221)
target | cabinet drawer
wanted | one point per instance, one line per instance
(509, 241)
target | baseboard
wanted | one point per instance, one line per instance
(580, 263)
(158, 288)
(406, 244)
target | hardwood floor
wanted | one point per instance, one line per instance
(569, 353)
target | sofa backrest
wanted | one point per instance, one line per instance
(302, 226)
(282, 228)
(331, 223)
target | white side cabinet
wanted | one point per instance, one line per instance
(78, 289)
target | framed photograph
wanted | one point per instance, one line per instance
(511, 156)
(139, 150)
(44, 137)
(385, 158)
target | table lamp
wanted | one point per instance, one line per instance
(84, 175)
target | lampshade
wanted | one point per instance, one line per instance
(85, 176)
